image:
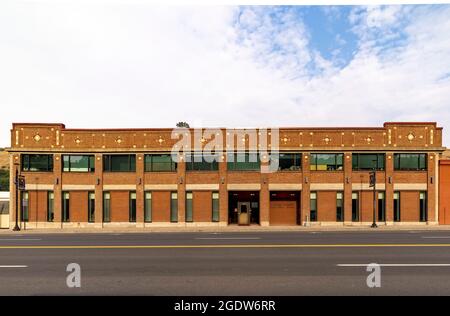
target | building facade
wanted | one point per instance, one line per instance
(127, 178)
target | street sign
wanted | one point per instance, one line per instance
(373, 179)
(21, 183)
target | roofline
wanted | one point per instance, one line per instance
(329, 128)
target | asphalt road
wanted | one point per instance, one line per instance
(253, 263)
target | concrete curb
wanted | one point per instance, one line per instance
(235, 229)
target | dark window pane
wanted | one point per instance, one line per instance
(215, 206)
(189, 207)
(119, 163)
(174, 207)
(289, 162)
(244, 162)
(42, 163)
(106, 207)
(148, 207)
(159, 163)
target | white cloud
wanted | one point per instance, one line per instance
(141, 66)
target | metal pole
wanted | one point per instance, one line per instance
(16, 182)
(374, 224)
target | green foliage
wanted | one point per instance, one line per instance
(183, 124)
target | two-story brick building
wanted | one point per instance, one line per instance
(127, 178)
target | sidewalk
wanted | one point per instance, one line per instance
(225, 229)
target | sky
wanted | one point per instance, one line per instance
(129, 64)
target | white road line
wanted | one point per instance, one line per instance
(20, 239)
(436, 237)
(227, 238)
(14, 266)
(397, 265)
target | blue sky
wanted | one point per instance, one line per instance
(232, 66)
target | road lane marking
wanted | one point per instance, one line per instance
(14, 266)
(20, 239)
(436, 237)
(224, 246)
(227, 238)
(396, 265)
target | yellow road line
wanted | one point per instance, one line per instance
(222, 246)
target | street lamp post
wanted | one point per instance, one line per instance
(16, 182)
(373, 182)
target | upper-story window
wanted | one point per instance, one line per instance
(368, 161)
(34, 162)
(289, 162)
(202, 162)
(327, 162)
(410, 161)
(159, 163)
(119, 163)
(78, 163)
(243, 162)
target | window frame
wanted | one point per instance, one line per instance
(26, 163)
(215, 217)
(90, 168)
(314, 157)
(106, 210)
(192, 165)
(311, 210)
(148, 207)
(107, 163)
(296, 155)
(91, 207)
(381, 157)
(148, 165)
(232, 165)
(65, 216)
(132, 207)
(398, 160)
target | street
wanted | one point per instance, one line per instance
(241, 263)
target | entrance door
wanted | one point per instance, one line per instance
(244, 213)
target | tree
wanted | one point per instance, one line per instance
(182, 125)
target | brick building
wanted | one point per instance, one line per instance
(126, 178)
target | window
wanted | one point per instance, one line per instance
(25, 206)
(423, 207)
(202, 162)
(174, 207)
(50, 206)
(381, 207)
(91, 207)
(339, 207)
(313, 205)
(42, 163)
(289, 162)
(148, 207)
(396, 206)
(132, 213)
(410, 161)
(189, 207)
(4, 207)
(355, 206)
(75, 163)
(106, 207)
(243, 162)
(66, 207)
(368, 161)
(119, 163)
(215, 207)
(327, 162)
(159, 163)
